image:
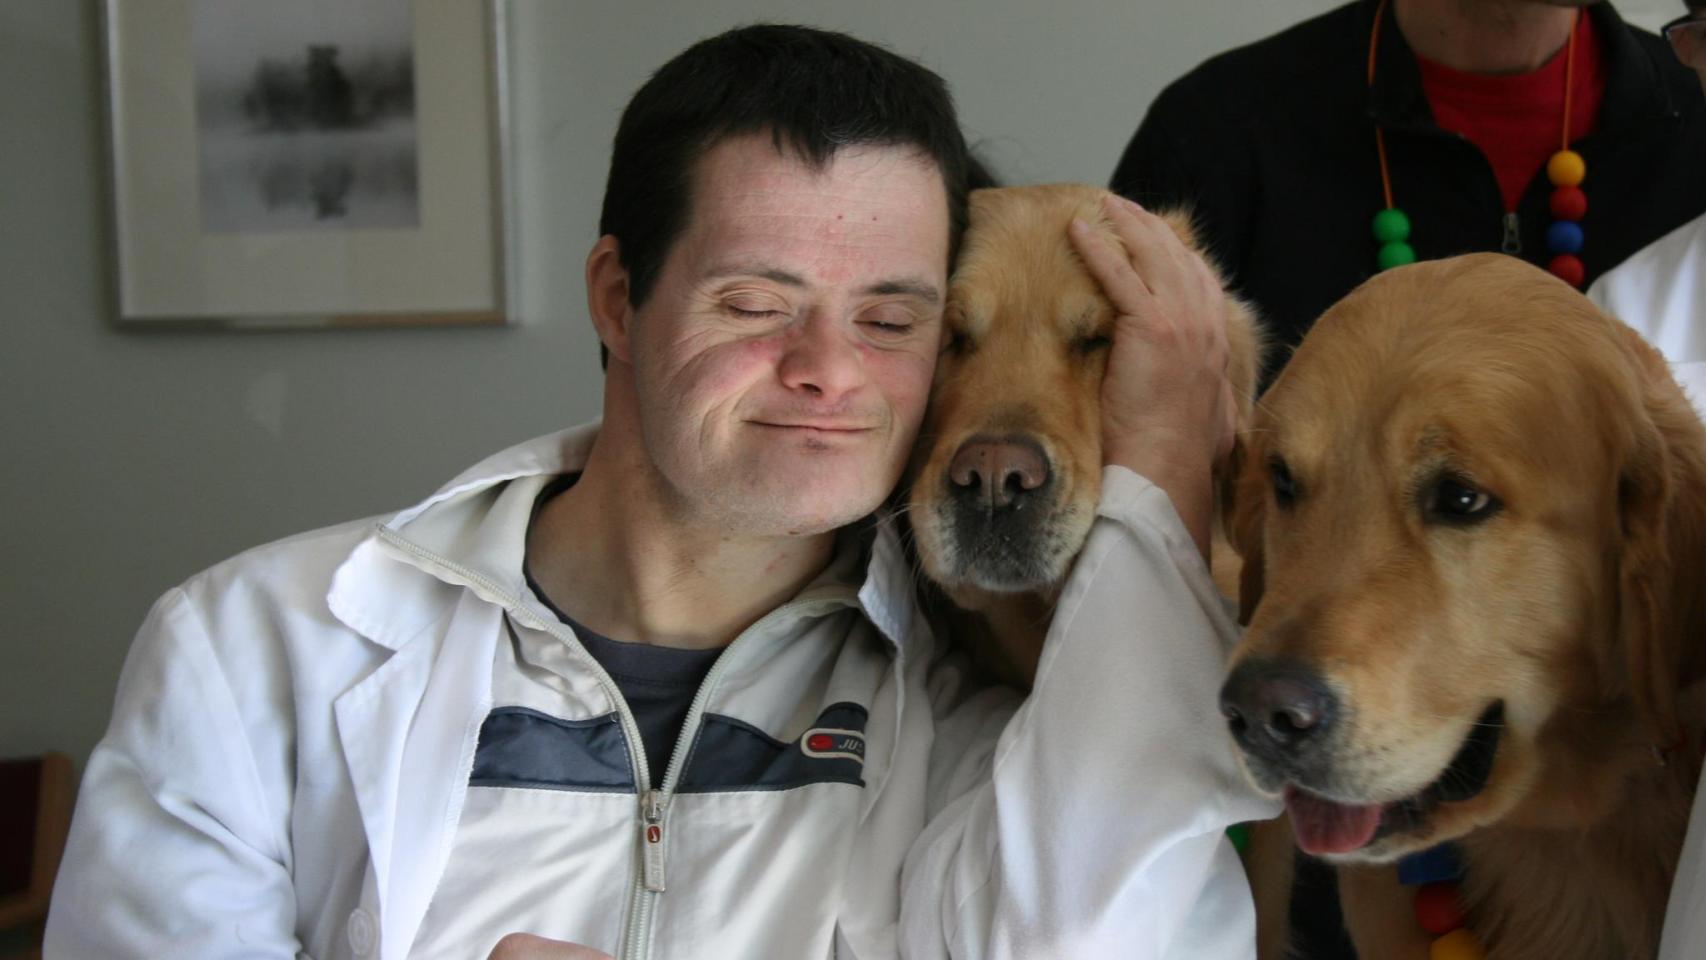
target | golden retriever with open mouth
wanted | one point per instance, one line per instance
(1008, 467)
(1473, 509)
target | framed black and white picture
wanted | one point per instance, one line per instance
(308, 163)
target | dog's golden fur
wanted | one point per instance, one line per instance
(1577, 603)
(1026, 330)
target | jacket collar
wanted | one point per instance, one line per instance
(469, 522)
(472, 533)
(887, 593)
(1636, 94)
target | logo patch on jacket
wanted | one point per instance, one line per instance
(831, 743)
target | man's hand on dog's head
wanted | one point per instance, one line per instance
(1167, 407)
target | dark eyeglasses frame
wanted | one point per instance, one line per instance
(1676, 33)
(1695, 17)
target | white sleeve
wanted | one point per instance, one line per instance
(1660, 291)
(1094, 825)
(1685, 922)
(175, 849)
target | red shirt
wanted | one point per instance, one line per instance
(1517, 119)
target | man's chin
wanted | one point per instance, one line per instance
(790, 511)
(814, 519)
(832, 482)
(767, 491)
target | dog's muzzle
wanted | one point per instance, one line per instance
(996, 508)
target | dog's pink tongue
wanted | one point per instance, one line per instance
(1323, 826)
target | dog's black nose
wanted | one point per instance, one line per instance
(997, 474)
(1277, 709)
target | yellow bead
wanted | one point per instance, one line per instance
(1566, 168)
(1459, 944)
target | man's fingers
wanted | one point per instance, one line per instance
(1153, 250)
(526, 946)
(1109, 265)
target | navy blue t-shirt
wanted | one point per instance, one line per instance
(657, 682)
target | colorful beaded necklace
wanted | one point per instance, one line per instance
(1566, 169)
(1434, 873)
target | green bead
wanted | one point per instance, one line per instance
(1395, 254)
(1391, 225)
(1239, 834)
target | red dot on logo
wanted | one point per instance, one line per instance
(654, 834)
(819, 742)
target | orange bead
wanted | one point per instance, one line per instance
(1566, 168)
(1457, 945)
(1437, 908)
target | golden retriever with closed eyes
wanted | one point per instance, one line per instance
(1008, 468)
(1473, 519)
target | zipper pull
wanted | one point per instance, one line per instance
(1513, 234)
(651, 839)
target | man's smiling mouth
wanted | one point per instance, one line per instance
(816, 427)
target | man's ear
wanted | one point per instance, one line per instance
(607, 297)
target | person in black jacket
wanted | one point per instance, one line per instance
(1273, 145)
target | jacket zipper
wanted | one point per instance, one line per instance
(651, 840)
(1511, 242)
(653, 804)
(1513, 234)
(512, 605)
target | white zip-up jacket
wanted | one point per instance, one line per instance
(296, 729)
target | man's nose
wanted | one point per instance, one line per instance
(821, 358)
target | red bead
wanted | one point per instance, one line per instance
(1569, 203)
(1568, 268)
(1438, 909)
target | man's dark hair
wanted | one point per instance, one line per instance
(813, 91)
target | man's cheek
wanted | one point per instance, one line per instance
(718, 376)
(906, 383)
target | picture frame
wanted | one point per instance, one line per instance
(311, 164)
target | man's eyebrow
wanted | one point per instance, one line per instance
(921, 289)
(903, 286)
(758, 270)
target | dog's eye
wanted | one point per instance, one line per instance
(1091, 344)
(1285, 488)
(1455, 501)
(957, 342)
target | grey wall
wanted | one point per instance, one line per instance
(131, 460)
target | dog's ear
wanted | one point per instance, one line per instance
(1244, 496)
(1644, 574)
(1241, 496)
(1659, 505)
